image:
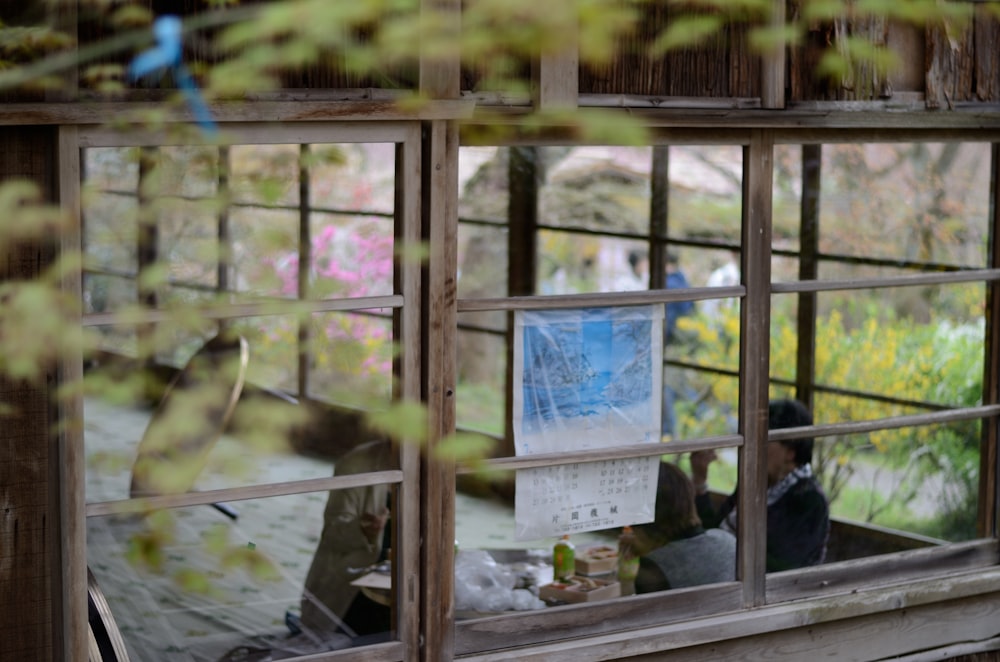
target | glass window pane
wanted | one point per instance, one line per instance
(350, 358)
(192, 584)
(110, 230)
(265, 251)
(901, 202)
(705, 194)
(188, 172)
(482, 260)
(264, 175)
(482, 360)
(188, 240)
(903, 347)
(490, 555)
(106, 293)
(352, 256)
(273, 351)
(892, 490)
(357, 178)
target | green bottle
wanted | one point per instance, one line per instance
(563, 559)
(628, 559)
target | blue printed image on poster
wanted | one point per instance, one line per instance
(587, 378)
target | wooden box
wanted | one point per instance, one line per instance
(580, 589)
(597, 560)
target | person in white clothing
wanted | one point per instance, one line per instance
(637, 277)
(725, 275)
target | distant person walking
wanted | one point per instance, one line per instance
(672, 383)
(637, 277)
(726, 275)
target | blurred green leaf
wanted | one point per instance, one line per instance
(767, 39)
(404, 420)
(193, 581)
(131, 16)
(154, 276)
(464, 447)
(822, 10)
(686, 32)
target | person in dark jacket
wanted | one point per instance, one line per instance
(798, 513)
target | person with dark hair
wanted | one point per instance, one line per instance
(798, 514)
(676, 551)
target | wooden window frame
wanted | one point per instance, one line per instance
(561, 629)
(405, 302)
(648, 623)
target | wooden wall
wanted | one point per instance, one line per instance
(721, 68)
(943, 65)
(30, 626)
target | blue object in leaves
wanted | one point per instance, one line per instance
(166, 55)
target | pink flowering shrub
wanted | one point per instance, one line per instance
(348, 261)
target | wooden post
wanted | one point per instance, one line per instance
(659, 206)
(439, 79)
(805, 368)
(71, 456)
(555, 77)
(772, 70)
(407, 332)
(440, 307)
(755, 339)
(33, 600)
(305, 263)
(989, 458)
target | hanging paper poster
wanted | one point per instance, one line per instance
(584, 379)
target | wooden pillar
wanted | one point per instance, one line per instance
(439, 79)
(406, 330)
(755, 339)
(71, 480)
(659, 205)
(772, 71)
(525, 173)
(439, 331)
(524, 177)
(989, 458)
(805, 367)
(305, 262)
(31, 596)
(555, 77)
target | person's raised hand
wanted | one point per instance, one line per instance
(699, 466)
(373, 523)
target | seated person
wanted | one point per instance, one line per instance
(798, 514)
(352, 540)
(676, 550)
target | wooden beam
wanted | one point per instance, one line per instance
(71, 457)
(872, 116)
(989, 457)
(772, 70)
(755, 339)
(407, 332)
(659, 215)
(525, 174)
(134, 112)
(31, 604)
(864, 622)
(440, 75)
(439, 330)
(805, 367)
(555, 77)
